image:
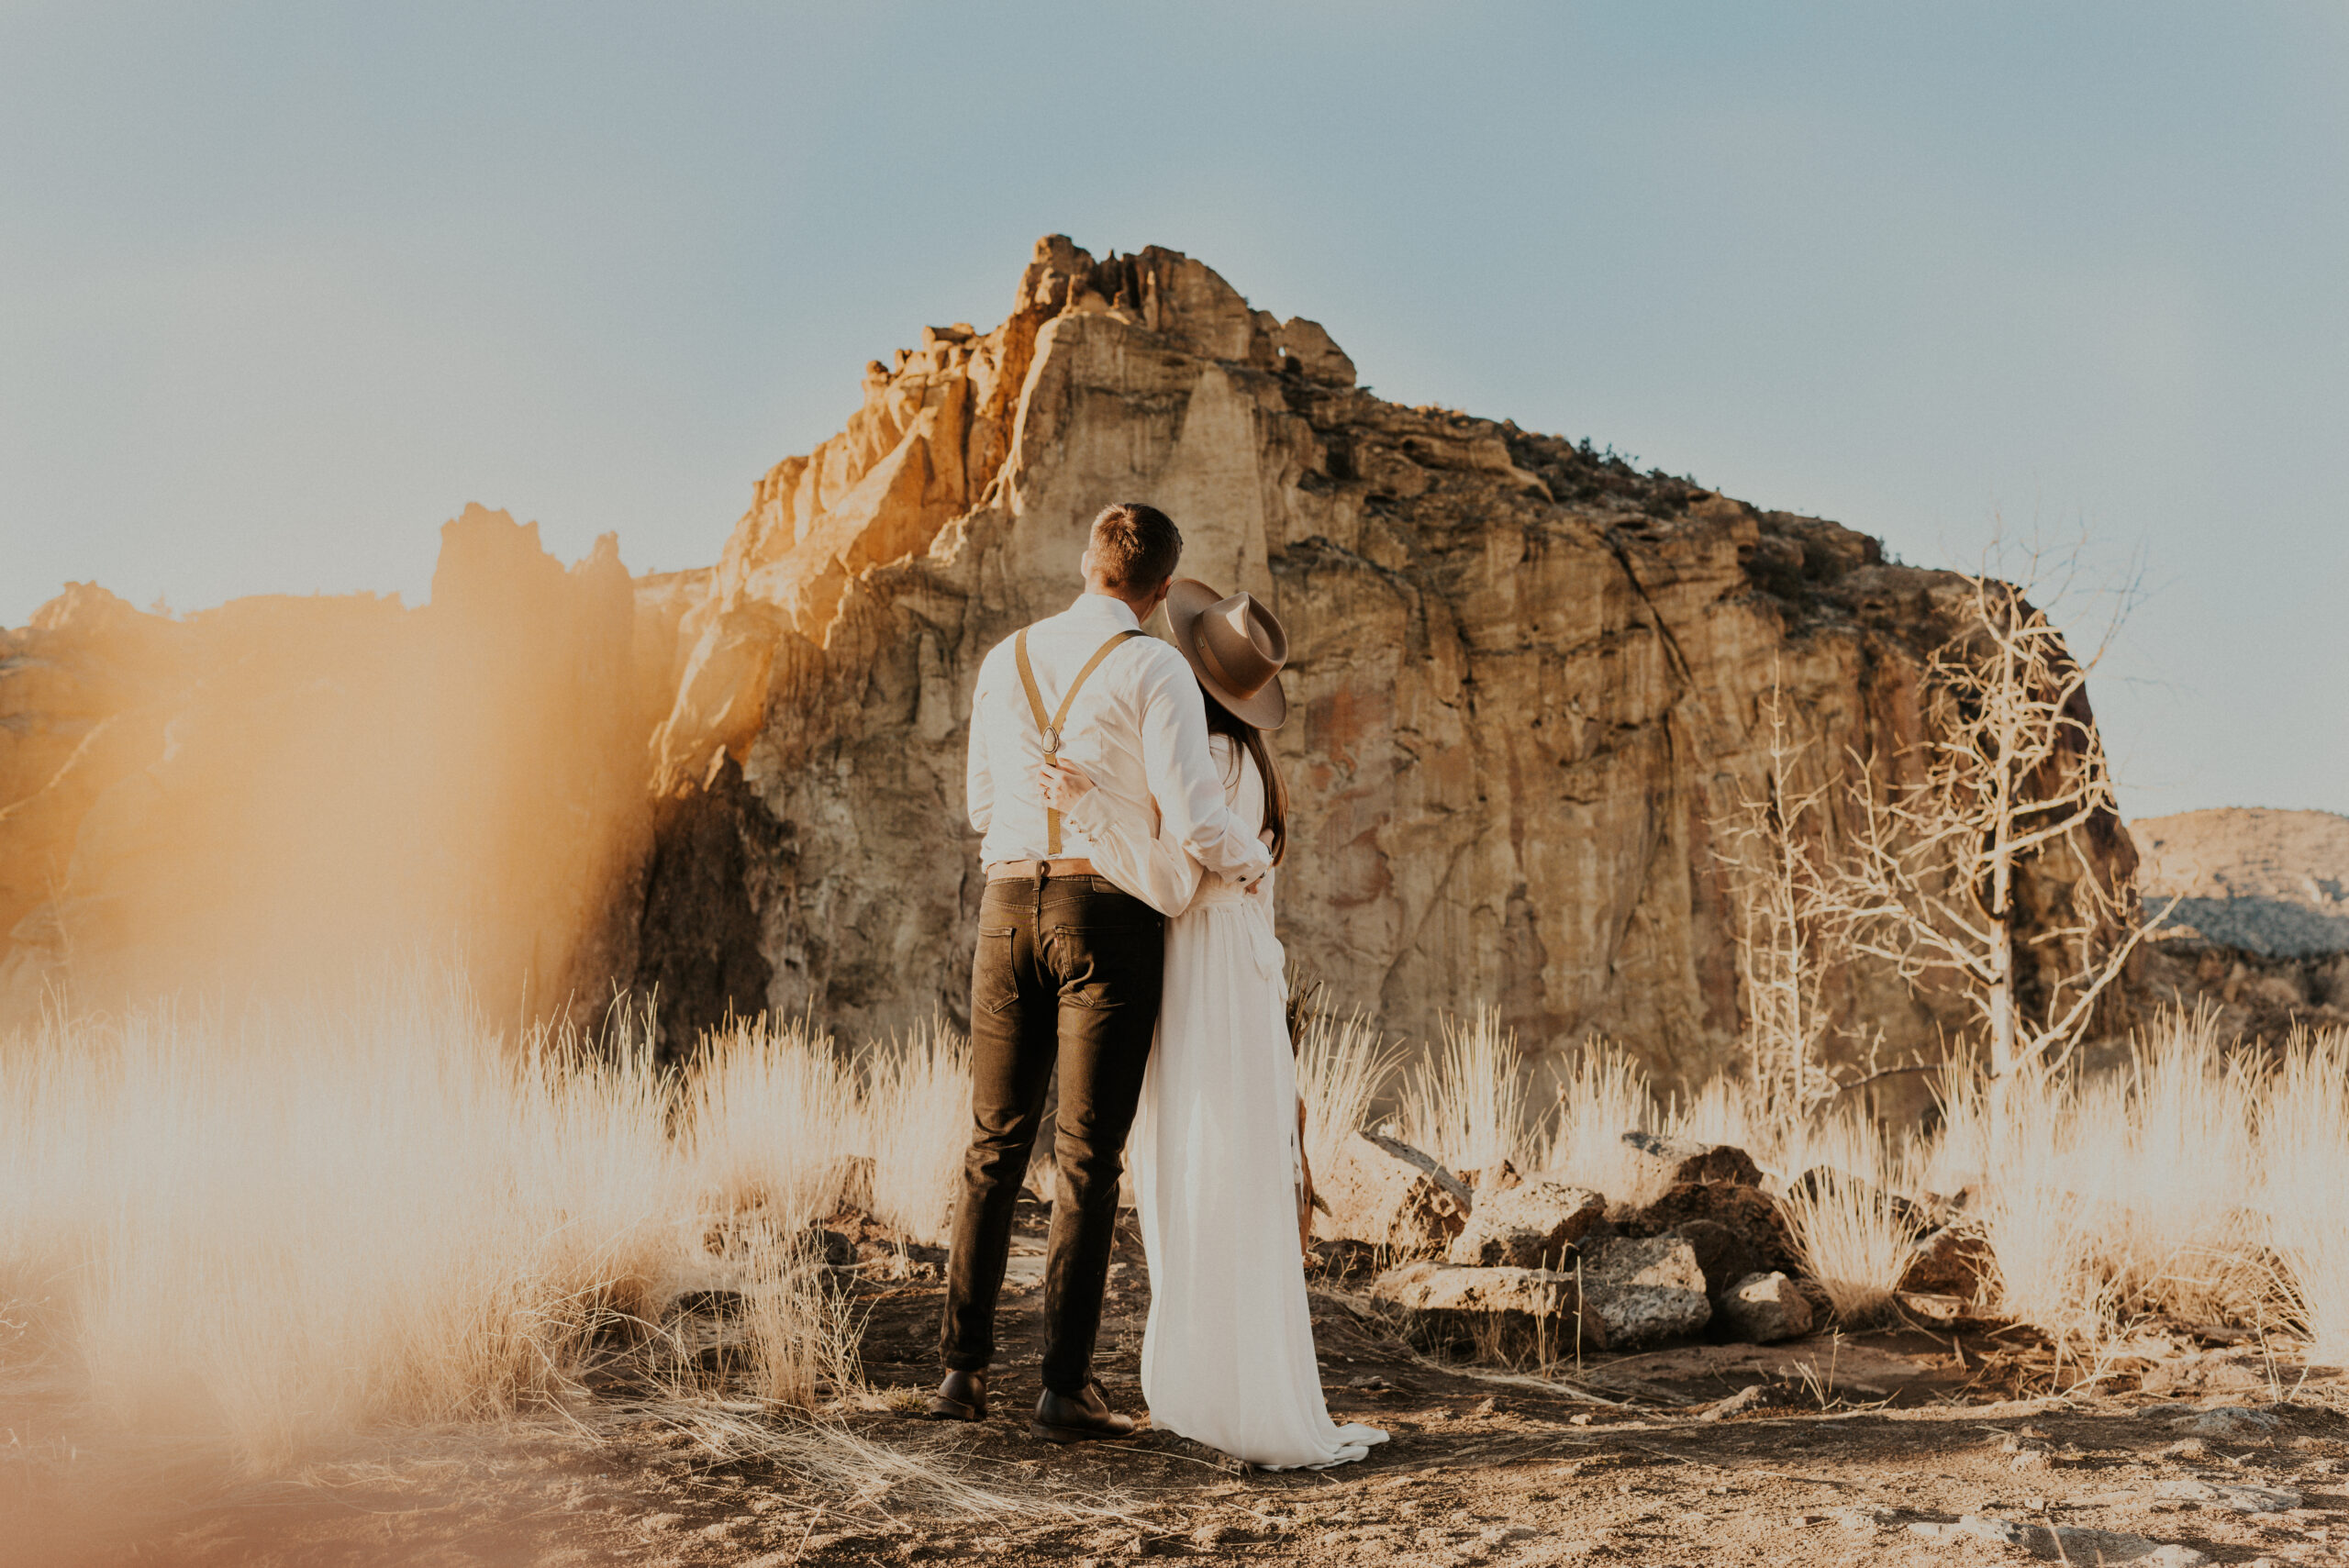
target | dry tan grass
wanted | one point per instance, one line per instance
(1344, 1066)
(270, 1233)
(2304, 1169)
(803, 1330)
(776, 1122)
(1465, 1104)
(1602, 1094)
(916, 1124)
(264, 1236)
(1849, 1243)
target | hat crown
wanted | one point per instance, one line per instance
(1235, 647)
(1242, 644)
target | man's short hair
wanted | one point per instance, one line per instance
(1135, 546)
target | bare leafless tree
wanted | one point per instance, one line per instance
(1785, 920)
(2011, 776)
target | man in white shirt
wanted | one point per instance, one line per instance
(1068, 966)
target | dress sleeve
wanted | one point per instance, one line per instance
(1129, 848)
(1184, 779)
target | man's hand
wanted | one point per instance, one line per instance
(1063, 784)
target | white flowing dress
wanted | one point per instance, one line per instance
(1227, 1358)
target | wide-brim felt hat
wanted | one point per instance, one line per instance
(1235, 646)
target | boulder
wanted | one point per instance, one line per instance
(1382, 1191)
(1747, 1213)
(1954, 1261)
(1413, 553)
(1508, 1313)
(1534, 1225)
(1725, 1255)
(1646, 1290)
(1765, 1308)
(1671, 1160)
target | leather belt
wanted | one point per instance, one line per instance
(1027, 870)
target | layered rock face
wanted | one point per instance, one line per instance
(282, 794)
(1525, 684)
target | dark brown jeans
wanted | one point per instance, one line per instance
(1068, 974)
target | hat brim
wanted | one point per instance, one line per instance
(1187, 599)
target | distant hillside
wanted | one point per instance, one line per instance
(2270, 882)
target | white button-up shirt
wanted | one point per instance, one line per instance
(1139, 729)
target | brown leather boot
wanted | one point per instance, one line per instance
(961, 1397)
(1084, 1418)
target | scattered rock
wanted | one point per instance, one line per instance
(1745, 1401)
(1646, 1290)
(1747, 1213)
(1988, 1527)
(2214, 1373)
(1865, 1519)
(2238, 1421)
(2232, 1497)
(1383, 1192)
(1765, 1308)
(2063, 1544)
(1533, 1225)
(1671, 1160)
(1507, 1312)
(1726, 1256)
(1954, 1261)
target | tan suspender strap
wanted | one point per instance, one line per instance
(1050, 729)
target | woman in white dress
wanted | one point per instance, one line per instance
(1228, 1356)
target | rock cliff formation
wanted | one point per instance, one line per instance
(1525, 690)
(1525, 678)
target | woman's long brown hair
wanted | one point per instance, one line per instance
(1221, 720)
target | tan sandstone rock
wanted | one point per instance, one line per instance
(1382, 1191)
(1525, 678)
(1526, 684)
(1496, 1312)
(1533, 1225)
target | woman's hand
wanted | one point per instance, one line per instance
(1064, 784)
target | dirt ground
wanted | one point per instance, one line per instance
(1899, 1446)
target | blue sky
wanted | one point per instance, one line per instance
(284, 286)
